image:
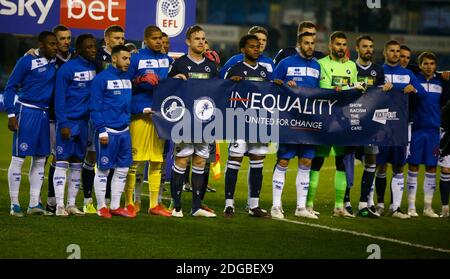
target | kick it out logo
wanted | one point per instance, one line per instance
(170, 16)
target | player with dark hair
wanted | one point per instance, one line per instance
(110, 106)
(194, 65)
(249, 69)
(406, 81)
(300, 70)
(426, 121)
(265, 61)
(373, 75)
(72, 95)
(147, 67)
(339, 73)
(33, 80)
(304, 26)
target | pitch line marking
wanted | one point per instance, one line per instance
(382, 238)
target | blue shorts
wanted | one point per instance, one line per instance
(424, 147)
(33, 136)
(75, 146)
(115, 154)
(395, 155)
(289, 151)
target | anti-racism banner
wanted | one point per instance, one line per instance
(205, 110)
(93, 16)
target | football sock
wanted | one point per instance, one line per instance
(340, 184)
(87, 177)
(197, 184)
(367, 182)
(100, 187)
(108, 184)
(36, 177)
(444, 187)
(117, 186)
(397, 185)
(302, 185)
(380, 186)
(51, 189)
(429, 186)
(255, 177)
(131, 183)
(59, 181)
(154, 182)
(176, 185)
(313, 185)
(231, 175)
(411, 183)
(14, 178)
(279, 176)
(74, 178)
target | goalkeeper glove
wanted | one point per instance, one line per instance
(150, 78)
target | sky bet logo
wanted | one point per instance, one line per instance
(33, 8)
(93, 14)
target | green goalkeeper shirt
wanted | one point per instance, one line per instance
(335, 73)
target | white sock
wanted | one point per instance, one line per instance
(117, 186)
(14, 177)
(36, 177)
(370, 201)
(87, 201)
(302, 185)
(278, 178)
(74, 182)
(59, 181)
(253, 203)
(397, 184)
(362, 205)
(411, 182)
(429, 186)
(100, 179)
(229, 202)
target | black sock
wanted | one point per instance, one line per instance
(205, 180)
(108, 184)
(176, 185)
(187, 177)
(380, 186)
(197, 180)
(347, 194)
(231, 175)
(51, 188)
(87, 177)
(444, 187)
(366, 183)
(256, 177)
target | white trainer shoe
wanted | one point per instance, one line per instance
(178, 214)
(203, 213)
(430, 213)
(341, 212)
(412, 212)
(303, 212)
(73, 210)
(310, 209)
(277, 212)
(61, 211)
(400, 215)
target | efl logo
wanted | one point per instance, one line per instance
(170, 16)
(93, 14)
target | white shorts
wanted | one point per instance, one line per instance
(53, 137)
(187, 149)
(91, 137)
(240, 147)
(444, 161)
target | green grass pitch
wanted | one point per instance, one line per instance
(242, 237)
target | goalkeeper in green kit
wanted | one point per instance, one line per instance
(339, 73)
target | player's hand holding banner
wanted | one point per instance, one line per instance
(204, 110)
